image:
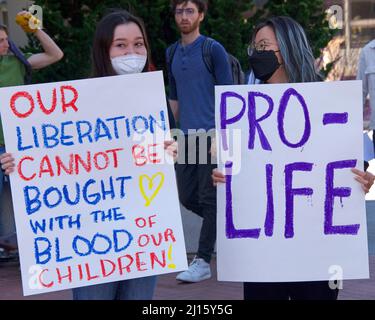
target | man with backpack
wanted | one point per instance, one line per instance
(195, 66)
(15, 70)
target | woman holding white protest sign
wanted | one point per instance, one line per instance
(120, 47)
(280, 53)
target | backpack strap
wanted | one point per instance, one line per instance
(207, 54)
(237, 73)
(20, 56)
(170, 54)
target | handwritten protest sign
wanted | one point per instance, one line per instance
(290, 209)
(94, 192)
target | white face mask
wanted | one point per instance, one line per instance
(129, 63)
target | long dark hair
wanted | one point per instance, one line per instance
(299, 61)
(101, 61)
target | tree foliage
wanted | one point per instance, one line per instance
(72, 24)
(310, 14)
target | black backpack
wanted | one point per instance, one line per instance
(19, 55)
(237, 73)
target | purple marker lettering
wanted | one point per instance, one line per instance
(335, 118)
(230, 229)
(290, 193)
(270, 216)
(223, 114)
(281, 114)
(254, 122)
(331, 193)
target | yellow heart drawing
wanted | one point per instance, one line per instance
(150, 186)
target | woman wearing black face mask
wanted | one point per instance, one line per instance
(264, 63)
(280, 53)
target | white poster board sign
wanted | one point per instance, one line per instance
(290, 209)
(94, 192)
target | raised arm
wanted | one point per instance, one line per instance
(52, 53)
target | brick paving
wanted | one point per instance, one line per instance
(169, 289)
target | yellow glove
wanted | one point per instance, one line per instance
(28, 22)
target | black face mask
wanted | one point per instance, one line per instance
(264, 64)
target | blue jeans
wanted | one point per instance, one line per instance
(132, 289)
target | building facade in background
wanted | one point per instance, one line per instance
(357, 28)
(8, 11)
